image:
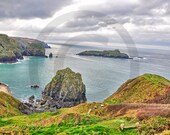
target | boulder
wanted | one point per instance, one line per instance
(35, 86)
(50, 55)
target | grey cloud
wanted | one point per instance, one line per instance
(25, 9)
(140, 13)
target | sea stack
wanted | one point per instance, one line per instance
(66, 89)
(50, 55)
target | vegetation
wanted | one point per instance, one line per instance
(110, 117)
(8, 105)
(12, 49)
(35, 49)
(105, 53)
(9, 49)
(147, 88)
(62, 122)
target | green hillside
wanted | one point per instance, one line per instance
(148, 88)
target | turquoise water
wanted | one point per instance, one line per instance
(102, 76)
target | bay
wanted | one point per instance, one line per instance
(102, 76)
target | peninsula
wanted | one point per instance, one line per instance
(14, 48)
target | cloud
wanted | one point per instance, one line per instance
(146, 21)
(25, 9)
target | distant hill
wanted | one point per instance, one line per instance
(13, 48)
(106, 53)
(148, 88)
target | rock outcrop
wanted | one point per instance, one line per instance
(148, 88)
(66, 89)
(12, 48)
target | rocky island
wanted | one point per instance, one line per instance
(66, 89)
(140, 106)
(14, 48)
(106, 53)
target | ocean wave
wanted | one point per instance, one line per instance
(139, 58)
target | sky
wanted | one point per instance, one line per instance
(145, 22)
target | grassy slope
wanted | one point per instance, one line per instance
(103, 119)
(8, 105)
(145, 88)
(76, 121)
(64, 122)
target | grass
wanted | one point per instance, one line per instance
(155, 125)
(102, 118)
(145, 88)
(64, 123)
(8, 105)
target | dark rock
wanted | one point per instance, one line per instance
(50, 55)
(26, 108)
(38, 100)
(31, 99)
(34, 86)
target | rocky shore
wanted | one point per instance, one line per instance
(66, 89)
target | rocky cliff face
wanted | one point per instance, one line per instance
(66, 89)
(12, 49)
(148, 88)
(66, 86)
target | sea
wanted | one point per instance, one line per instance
(102, 76)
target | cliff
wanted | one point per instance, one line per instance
(12, 49)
